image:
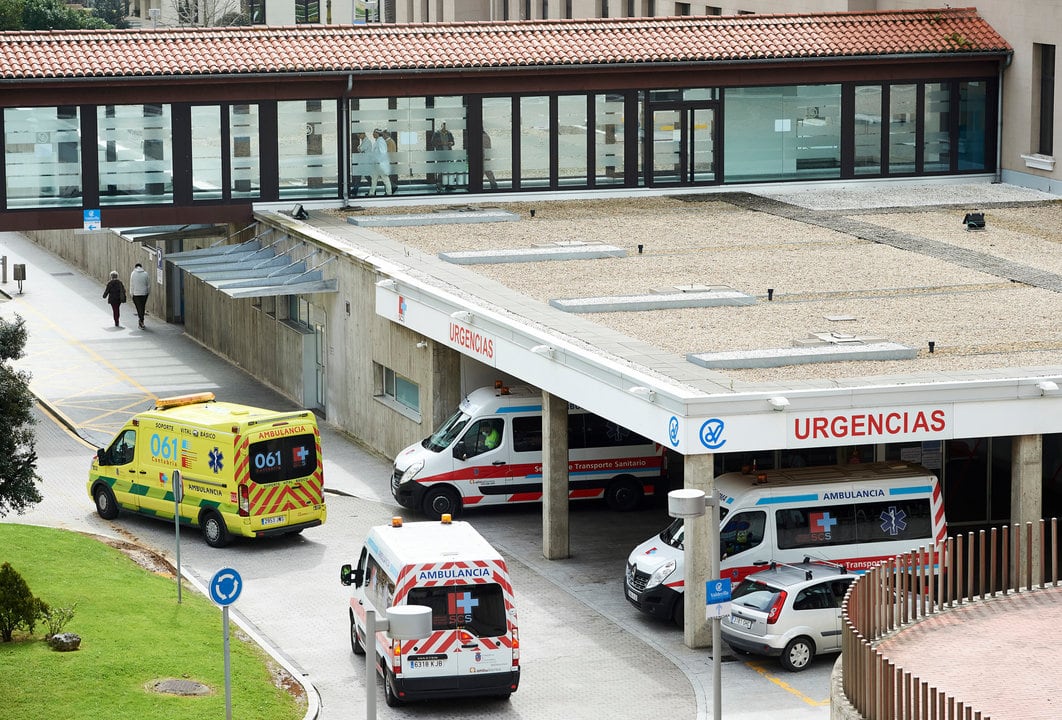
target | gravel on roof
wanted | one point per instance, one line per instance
(979, 321)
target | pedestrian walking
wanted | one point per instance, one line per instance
(114, 292)
(140, 288)
(392, 155)
(381, 164)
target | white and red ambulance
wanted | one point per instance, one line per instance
(474, 646)
(490, 452)
(854, 515)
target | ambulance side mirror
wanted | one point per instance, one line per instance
(101, 455)
(460, 452)
(350, 576)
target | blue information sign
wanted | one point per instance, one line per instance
(225, 586)
(717, 598)
(717, 591)
(92, 219)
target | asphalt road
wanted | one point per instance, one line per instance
(585, 652)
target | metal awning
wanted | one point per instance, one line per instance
(251, 270)
(162, 233)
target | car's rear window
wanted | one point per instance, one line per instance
(754, 594)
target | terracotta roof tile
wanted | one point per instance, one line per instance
(257, 50)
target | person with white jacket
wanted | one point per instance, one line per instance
(140, 288)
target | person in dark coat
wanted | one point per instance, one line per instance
(115, 294)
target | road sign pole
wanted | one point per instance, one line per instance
(717, 639)
(178, 491)
(228, 669)
(370, 664)
(225, 587)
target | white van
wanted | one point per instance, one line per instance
(474, 647)
(490, 452)
(855, 515)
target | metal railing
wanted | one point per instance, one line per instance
(966, 569)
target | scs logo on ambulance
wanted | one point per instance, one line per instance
(235, 469)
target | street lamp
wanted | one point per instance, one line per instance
(690, 503)
(402, 622)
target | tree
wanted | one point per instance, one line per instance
(46, 15)
(18, 449)
(18, 607)
(112, 12)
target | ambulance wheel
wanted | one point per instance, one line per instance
(439, 501)
(106, 505)
(355, 642)
(214, 531)
(390, 696)
(624, 494)
(798, 654)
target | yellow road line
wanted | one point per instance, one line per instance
(96, 357)
(758, 667)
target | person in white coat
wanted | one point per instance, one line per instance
(140, 288)
(381, 166)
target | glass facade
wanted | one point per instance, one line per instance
(535, 133)
(903, 128)
(207, 155)
(868, 128)
(42, 156)
(135, 154)
(609, 140)
(429, 138)
(782, 133)
(290, 149)
(936, 128)
(308, 147)
(244, 151)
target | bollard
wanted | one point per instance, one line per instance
(3, 269)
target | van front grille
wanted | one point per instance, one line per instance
(636, 578)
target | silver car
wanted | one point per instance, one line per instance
(789, 611)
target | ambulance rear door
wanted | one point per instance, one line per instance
(471, 632)
(279, 475)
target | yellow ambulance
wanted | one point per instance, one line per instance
(243, 470)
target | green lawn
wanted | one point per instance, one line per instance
(133, 633)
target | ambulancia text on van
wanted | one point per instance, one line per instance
(854, 515)
(490, 452)
(474, 646)
(242, 470)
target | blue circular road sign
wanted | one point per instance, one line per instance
(225, 586)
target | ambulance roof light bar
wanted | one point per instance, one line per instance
(396, 521)
(446, 518)
(180, 400)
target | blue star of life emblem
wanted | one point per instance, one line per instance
(215, 460)
(893, 521)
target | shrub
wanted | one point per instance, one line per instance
(18, 607)
(57, 618)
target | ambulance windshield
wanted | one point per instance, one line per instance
(444, 436)
(479, 609)
(675, 533)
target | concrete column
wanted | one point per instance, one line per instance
(699, 547)
(1026, 496)
(555, 539)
